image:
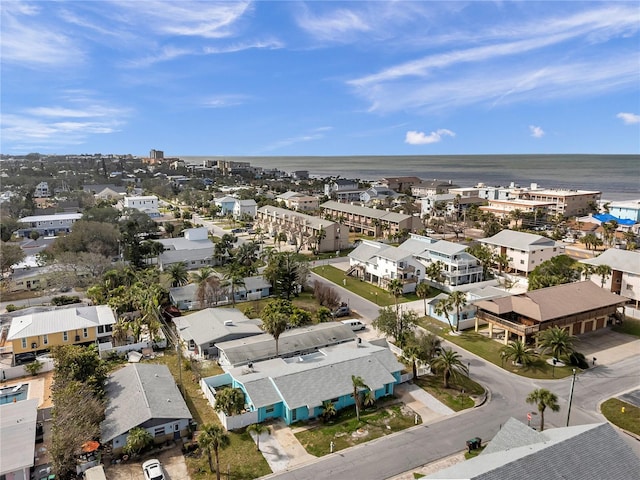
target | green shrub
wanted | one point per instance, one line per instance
(578, 359)
(65, 300)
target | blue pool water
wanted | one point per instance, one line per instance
(10, 394)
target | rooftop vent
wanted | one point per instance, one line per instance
(228, 323)
(300, 359)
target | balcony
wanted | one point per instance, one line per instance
(517, 328)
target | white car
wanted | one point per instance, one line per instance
(152, 470)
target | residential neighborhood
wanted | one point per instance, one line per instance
(235, 320)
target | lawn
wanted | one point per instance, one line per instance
(629, 420)
(345, 431)
(630, 326)
(452, 397)
(365, 290)
(490, 351)
(241, 456)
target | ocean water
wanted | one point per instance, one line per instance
(616, 176)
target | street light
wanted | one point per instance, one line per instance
(469, 369)
(553, 370)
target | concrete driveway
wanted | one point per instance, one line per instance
(607, 346)
(172, 462)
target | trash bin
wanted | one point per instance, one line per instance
(474, 444)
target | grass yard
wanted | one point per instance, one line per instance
(629, 420)
(490, 351)
(345, 431)
(241, 456)
(452, 397)
(630, 326)
(365, 290)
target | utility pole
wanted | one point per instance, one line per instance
(179, 352)
(573, 382)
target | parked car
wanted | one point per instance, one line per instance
(152, 470)
(342, 311)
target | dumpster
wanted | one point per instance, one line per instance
(474, 444)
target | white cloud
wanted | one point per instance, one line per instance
(314, 134)
(223, 101)
(536, 132)
(420, 138)
(333, 26)
(629, 118)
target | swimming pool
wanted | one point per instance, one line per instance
(13, 393)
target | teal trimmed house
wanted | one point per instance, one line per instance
(294, 389)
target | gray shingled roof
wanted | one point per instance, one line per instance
(582, 452)
(519, 240)
(138, 393)
(305, 339)
(208, 325)
(366, 250)
(185, 293)
(623, 260)
(175, 256)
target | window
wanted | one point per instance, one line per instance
(176, 427)
(65, 336)
(85, 332)
(158, 431)
(335, 400)
(100, 328)
(522, 262)
(24, 343)
(45, 339)
(294, 415)
(270, 409)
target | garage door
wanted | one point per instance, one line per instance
(588, 326)
(576, 328)
(599, 323)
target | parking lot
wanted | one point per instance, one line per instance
(172, 461)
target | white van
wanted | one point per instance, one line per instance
(355, 325)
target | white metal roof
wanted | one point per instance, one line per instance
(53, 217)
(17, 435)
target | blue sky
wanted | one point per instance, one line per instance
(320, 78)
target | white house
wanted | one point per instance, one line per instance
(42, 190)
(47, 225)
(146, 204)
(18, 438)
(245, 207)
(458, 266)
(625, 272)
(626, 210)
(525, 251)
(194, 249)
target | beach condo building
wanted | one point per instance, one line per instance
(568, 203)
(524, 251)
(311, 233)
(626, 210)
(370, 221)
(503, 208)
(343, 190)
(47, 225)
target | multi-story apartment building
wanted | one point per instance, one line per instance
(503, 208)
(568, 203)
(343, 190)
(47, 225)
(305, 231)
(431, 187)
(370, 221)
(624, 279)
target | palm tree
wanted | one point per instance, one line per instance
(230, 401)
(544, 398)
(502, 261)
(458, 300)
(518, 352)
(369, 398)
(178, 274)
(395, 288)
(450, 363)
(258, 429)
(590, 240)
(328, 410)
(358, 384)
(274, 323)
(319, 236)
(137, 440)
(213, 437)
(422, 291)
(234, 279)
(434, 272)
(202, 279)
(442, 308)
(558, 340)
(412, 354)
(120, 331)
(604, 272)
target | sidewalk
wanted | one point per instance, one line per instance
(281, 449)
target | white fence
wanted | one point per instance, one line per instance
(9, 373)
(234, 422)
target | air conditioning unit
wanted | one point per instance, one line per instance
(34, 345)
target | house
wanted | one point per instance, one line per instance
(202, 331)
(145, 396)
(298, 201)
(226, 205)
(245, 208)
(292, 343)
(308, 231)
(437, 205)
(400, 184)
(626, 210)
(253, 288)
(378, 263)
(370, 221)
(458, 266)
(105, 192)
(47, 225)
(343, 190)
(18, 439)
(185, 297)
(145, 203)
(431, 187)
(194, 250)
(36, 331)
(378, 194)
(569, 453)
(625, 272)
(525, 251)
(42, 190)
(580, 307)
(295, 388)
